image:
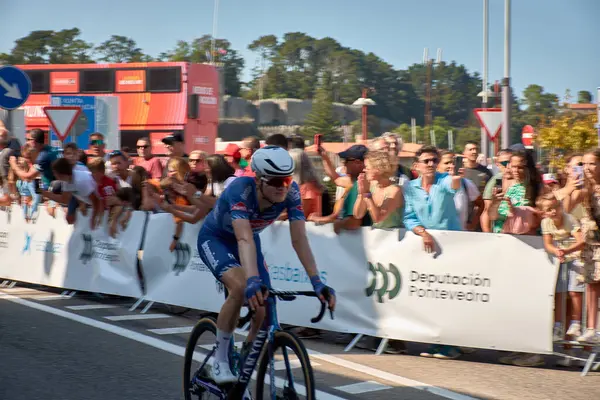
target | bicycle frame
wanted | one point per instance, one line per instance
(265, 335)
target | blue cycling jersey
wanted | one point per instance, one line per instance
(239, 201)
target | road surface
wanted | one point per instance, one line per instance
(91, 348)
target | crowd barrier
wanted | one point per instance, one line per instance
(478, 290)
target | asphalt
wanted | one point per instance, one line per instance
(48, 350)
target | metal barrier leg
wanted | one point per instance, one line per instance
(65, 293)
(589, 362)
(353, 342)
(12, 284)
(381, 347)
(4, 283)
(150, 304)
(137, 304)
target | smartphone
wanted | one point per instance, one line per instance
(36, 186)
(578, 171)
(317, 140)
(458, 164)
(499, 184)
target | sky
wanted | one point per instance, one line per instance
(552, 40)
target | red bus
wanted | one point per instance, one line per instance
(155, 98)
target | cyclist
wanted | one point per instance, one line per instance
(229, 245)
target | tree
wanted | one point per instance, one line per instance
(584, 97)
(119, 49)
(42, 47)
(539, 107)
(199, 51)
(321, 119)
(568, 132)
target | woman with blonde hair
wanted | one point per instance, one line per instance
(311, 191)
(378, 194)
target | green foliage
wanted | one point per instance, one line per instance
(584, 97)
(321, 119)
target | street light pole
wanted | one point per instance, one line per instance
(485, 147)
(214, 33)
(506, 81)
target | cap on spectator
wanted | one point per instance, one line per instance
(233, 150)
(357, 152)
(549, 178)
(517, 147)
(175, 137)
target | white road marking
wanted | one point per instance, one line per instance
(48, 298)
(362, 387)
(135, 317)
(280, 365)
(172, 331)
(145, 339)
(92, 307)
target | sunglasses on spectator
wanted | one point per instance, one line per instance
(504, 163)
(144, 146)
(97, 142)
(429, 161)
(278, 182)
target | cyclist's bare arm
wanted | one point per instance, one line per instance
(302, 247)
(246, 246)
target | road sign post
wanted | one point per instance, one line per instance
(62, 119)
(15, 87)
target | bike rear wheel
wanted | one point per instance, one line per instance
(290, 344)
(203, 334)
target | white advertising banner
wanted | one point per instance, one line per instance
(50, 252)
(180, 277)
(109, 264)
(473, 292)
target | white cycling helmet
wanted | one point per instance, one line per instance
(272, 161)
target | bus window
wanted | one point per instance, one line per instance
(39, 81)
(97, 81)
(164, 79)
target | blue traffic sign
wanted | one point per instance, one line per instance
(15, 87)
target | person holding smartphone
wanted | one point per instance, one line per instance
(498, 184)
(468, 192)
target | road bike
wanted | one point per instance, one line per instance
(198, 384)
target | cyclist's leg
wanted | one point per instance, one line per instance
(260, 313)
(221, 257)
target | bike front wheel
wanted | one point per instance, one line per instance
(204, 333)
(292, 364)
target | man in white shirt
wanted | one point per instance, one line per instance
(75, 183)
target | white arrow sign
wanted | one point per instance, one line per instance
(62, 119)
(11, 90)
(490, 120)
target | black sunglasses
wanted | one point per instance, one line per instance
(97, 142)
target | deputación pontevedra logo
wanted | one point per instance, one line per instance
(391, 281)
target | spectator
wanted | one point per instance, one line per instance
(146, 160)
(175, 145)
(98, 149)
(278, 140)
(311, 190)
(197, 160)
(192, 191)
(295, 142)
(219, 173)
(378, 194)
(523, 191)
(391, 143)
(430, 205)
(30, 199)
(78, 184)
(571, 194)
(233, 157)
(479, 175)
(72, 154)
(248, 147)
(105, 186)
(353, 159)
(505, 177)
(5, 155)
(43, 163)
(466, 193)
(120, 169)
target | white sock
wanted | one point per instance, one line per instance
(575, 322)
(222, 352)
